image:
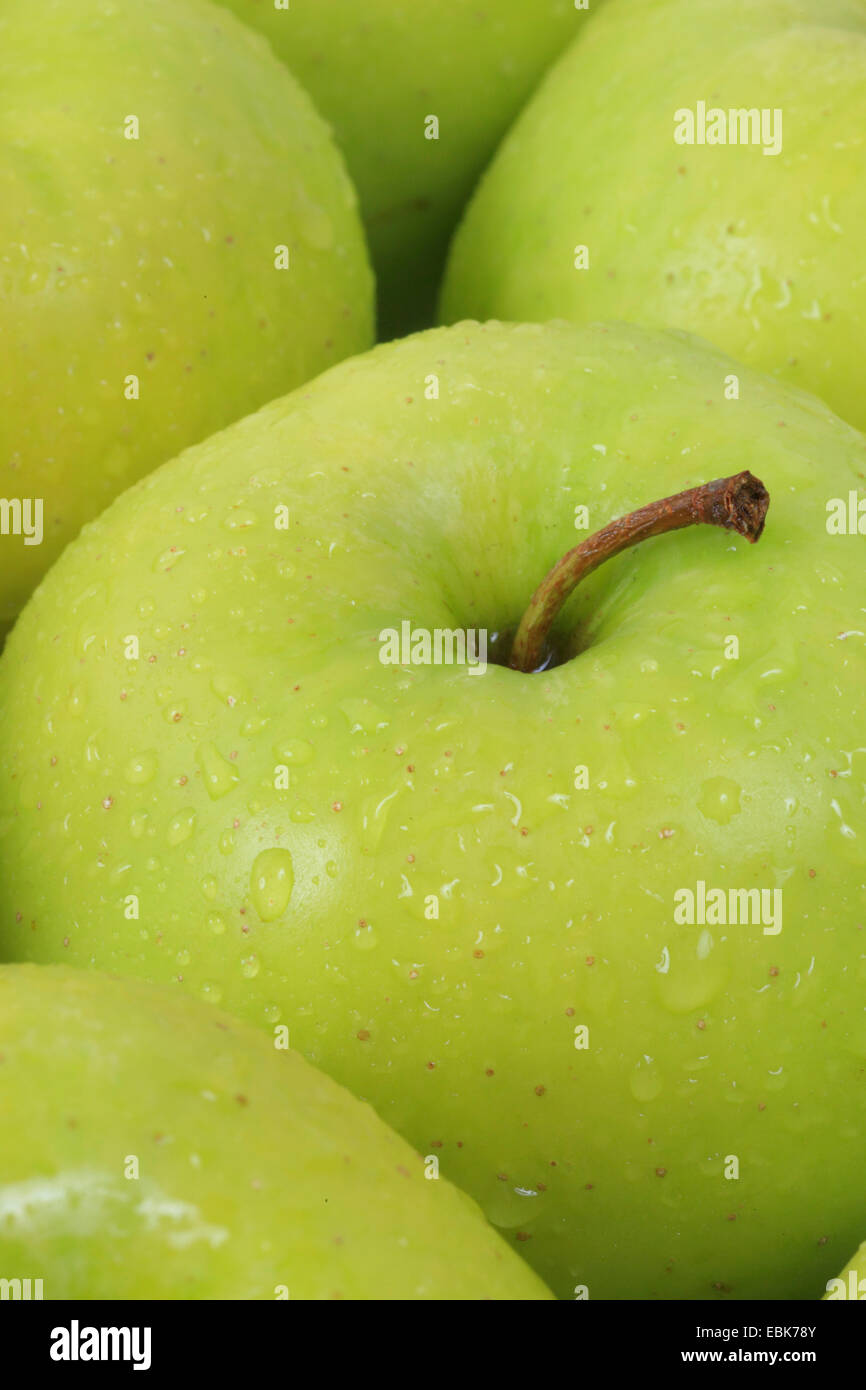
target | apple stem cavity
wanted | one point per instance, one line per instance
(738, 503)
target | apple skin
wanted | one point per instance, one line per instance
(851, 1283)
(156, 786)
(760, 254)
(154, 257)
(377, 70)
(254, 1169)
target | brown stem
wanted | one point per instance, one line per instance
(738, 504)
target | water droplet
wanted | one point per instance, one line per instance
(363, 716)
(138, 824)
(690, 984)
(181, 826)
(168, 559)
(211, 993)
(365, 938)
(271, 881)
(86, 638)
(254, 724)
(512, 1206)
(273, 1013)
(183, 957)
(645, 1082)
(141, 768)
(216, 923)
(302, 814)
(293, 750)
(250, 967)
(227, 842)
(220, 776)
(230, 689)
(720, 799)
(209, 887)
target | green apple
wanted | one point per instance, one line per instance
(462, 887)
(593, 209)
(851, 1283)
(151, 1147)
(382, 72)
(179, 243)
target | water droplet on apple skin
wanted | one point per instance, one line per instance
(219, 775)
(272, 878)
(293, 750)
(141, 768)
(719, 800)
(230, 689)
(690, 983)
(645, 1083)
(168, 559)
(512, 1206)
(364, 938)
(181, 827)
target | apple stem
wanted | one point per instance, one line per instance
(738, 503)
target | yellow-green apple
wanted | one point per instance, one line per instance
(593, 935)
(419, 96)
(179, 243)
(151, 1147)
(727, 199)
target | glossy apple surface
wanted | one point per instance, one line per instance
(438, 879)
(377, 71)
(151, 1147)
(761, 254)
(141, 307)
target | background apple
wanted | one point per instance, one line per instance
(761, 254)
(851, 1283)
(153, 1148)
(377, 71)
(142, 258)
(439, 879)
